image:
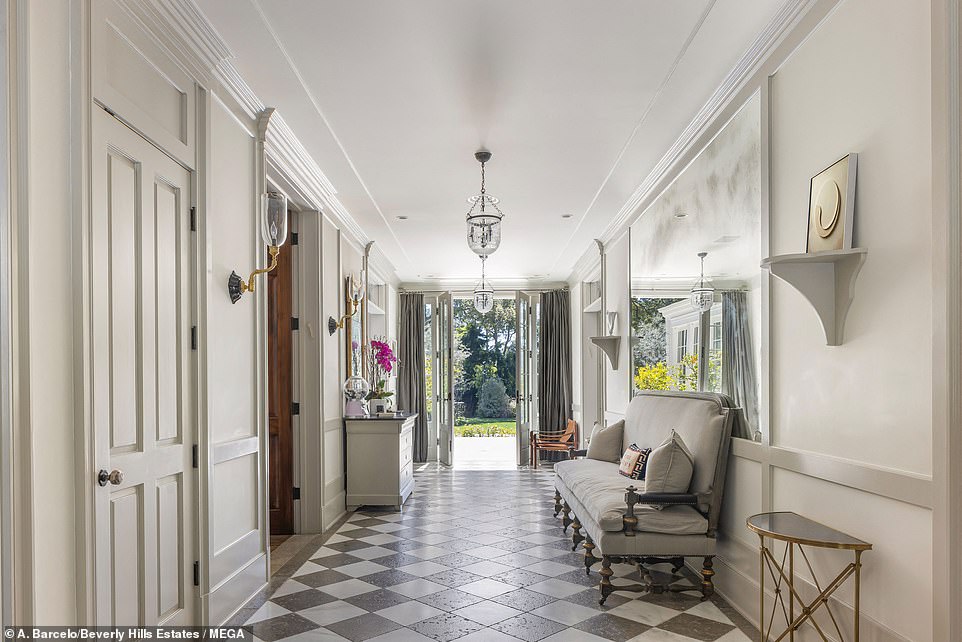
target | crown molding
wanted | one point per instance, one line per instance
(787, 18)
(467, 284)
(588, 264)
(181, 28)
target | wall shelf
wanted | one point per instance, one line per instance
(594, 306)
(826, 280)
(610, 346)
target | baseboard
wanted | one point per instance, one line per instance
(333, 511)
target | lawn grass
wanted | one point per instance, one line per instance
(487, 428)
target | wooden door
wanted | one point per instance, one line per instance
(141, 378)
(280, 463)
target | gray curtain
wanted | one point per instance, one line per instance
(410, 381)
(554, 363)
(739, 380)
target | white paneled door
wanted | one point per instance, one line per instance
(445, 382)
(140, 285)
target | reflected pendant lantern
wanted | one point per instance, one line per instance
(702, 296)
(484, 217)
(483, 293)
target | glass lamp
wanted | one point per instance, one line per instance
(273, 217)
(356, 389)
(483, 293)
(484, 218)
(702, 296)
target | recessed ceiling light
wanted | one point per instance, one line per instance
(401, 217)
(566, 216)
(680, 214)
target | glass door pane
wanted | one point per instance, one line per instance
(522, 377)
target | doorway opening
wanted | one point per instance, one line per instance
(485, 381)
(482, 379)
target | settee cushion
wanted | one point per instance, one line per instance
(599, 491)
(670, 467)
(605, 443)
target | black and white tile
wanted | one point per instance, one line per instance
(475, 556)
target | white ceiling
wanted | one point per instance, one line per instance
(577, 100)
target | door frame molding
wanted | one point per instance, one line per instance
(16, 523)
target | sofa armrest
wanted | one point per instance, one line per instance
(668, 499)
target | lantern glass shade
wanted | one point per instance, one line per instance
(274, 218)
(483, 297)
(484, 225)
(702, 297)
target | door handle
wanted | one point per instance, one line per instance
(115, 477)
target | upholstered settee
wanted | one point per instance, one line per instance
(624, 524)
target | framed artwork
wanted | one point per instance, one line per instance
(831, 206)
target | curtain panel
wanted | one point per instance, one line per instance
(410, 382)
(554, 364)
(739, 379)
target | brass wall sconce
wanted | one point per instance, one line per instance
(274, 233)
(357, 294)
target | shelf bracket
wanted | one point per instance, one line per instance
(826, 280)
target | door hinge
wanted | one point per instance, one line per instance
(193, 337)
(295, 408)
(196, 573)
(295, 324)
(297, 492)
(193, 456)
(293, 238)
(193, 218)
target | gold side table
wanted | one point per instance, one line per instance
(797, 531)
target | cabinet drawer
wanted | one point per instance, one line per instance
(407, 472)
(405, 445)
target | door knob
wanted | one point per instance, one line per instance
(115, 477)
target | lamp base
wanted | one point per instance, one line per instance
(354, 408)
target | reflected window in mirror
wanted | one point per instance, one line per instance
(712, 206)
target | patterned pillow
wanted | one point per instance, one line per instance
(634, 461)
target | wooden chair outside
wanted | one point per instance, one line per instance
(565, 441)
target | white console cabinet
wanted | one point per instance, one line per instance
(380, 466)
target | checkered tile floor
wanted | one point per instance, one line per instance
(475, 556)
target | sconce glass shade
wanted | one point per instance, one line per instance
(356, 388)
(274, 219)
(357, 289)
(484, 225)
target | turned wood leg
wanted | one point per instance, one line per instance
(565, 517)
(557, 502)
(707, 586)
(576, 536)
(606, 573)
(590, 558)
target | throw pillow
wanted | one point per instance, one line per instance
(605, 443)
(634, 461)
(670, 467)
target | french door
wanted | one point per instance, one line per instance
(526, 375)
(140, 312)
(445, 380)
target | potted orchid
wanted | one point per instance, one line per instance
(381, 362)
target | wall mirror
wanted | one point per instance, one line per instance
(354, 329)
(713, 206)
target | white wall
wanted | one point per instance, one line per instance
(850, 433)
(868, 402)
(616, 287)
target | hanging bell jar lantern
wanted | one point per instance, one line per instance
(484, 217)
